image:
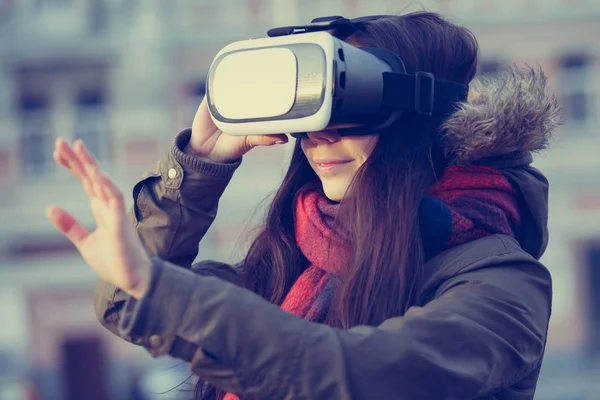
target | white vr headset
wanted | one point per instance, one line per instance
(296, 83)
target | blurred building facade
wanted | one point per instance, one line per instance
(126, 75)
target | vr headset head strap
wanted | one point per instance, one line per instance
(322, 24)
(420, 93)
(431, 96)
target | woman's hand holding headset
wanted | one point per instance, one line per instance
(209, 141)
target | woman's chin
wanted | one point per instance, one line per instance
(334, 192)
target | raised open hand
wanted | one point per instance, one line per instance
(113, 250)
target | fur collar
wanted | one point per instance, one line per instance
(513, 112)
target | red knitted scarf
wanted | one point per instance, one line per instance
(467, 203)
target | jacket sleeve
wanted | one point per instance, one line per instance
(484, 330)
(173, 209)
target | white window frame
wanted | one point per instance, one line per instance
(578, 80)
(91, 124)
(35, 132)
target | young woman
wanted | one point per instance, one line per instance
(399, 265)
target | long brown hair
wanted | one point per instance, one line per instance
(381, 211)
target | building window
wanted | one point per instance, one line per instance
(55, 2)
(52, 3)
(36, 136)
(577, 90)
(91, 123)
(98, 16)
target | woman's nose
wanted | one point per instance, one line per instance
(323, 137)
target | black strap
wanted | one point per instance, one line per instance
(322, 24)
(421, 93)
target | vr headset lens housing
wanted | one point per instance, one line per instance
(235, 89)
(306, 82)
(295, 83)
(267, 84)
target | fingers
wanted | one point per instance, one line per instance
(203, 123)
(91, 167)
(65, 156)
(86, 158)
(96, 184)
(104, 188)
(106, 200)
(80, 161)
(266, 140)
(68, 225)
(60, 158)
(110, 192)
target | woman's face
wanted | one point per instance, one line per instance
(336, 159)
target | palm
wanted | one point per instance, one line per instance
(113, 250)
(108, 249)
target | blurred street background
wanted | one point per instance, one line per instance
(127, 75)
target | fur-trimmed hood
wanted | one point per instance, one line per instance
(511, 112)
(504, 121)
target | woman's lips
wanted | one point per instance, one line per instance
(330, 165)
